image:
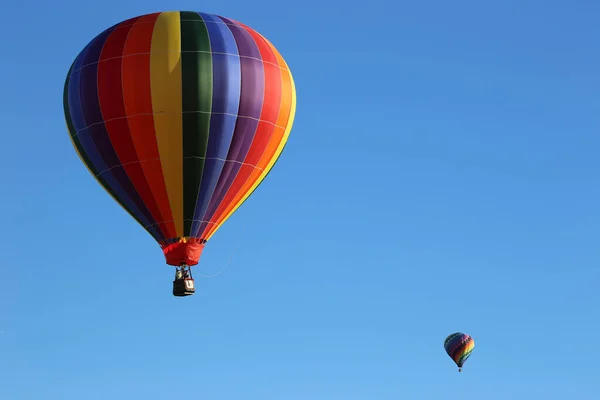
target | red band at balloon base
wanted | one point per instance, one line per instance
(180, 253)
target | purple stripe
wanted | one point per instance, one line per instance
(251, 102)
(456, 345)
(96, 133)
(225, 108)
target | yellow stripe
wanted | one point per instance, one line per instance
(165, 78)
(284, 140)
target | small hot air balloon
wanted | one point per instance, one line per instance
(179, 115)
(459, 347)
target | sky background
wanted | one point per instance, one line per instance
(442, 175)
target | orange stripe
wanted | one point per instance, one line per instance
(276, 137)
(110, 98)
(138, 107)
(264, 130)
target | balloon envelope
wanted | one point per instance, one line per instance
(459, 347)
(179, 116)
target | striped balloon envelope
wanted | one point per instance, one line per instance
(459, 347)
(180, 116)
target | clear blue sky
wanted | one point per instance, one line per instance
(442, 175)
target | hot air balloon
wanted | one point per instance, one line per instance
(179, 116)
(459, 347)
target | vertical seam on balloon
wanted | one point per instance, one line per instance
(278, 152)
(127, 119)
(244, 197)
(167, 219)
(204, 158)
(98, 96)
(226, 190)
(168, 211)
(154, 24)
(279, 149)
(203, 217)
(83, 157)
(291, 116)
(228, 213)
(215, 224)
(135, 192)
(69, 123)
(200, 218)
(117, 198)
(170, 193)
(159, 228)
(212, 105)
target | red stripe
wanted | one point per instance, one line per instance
(110, 97)
(137, 97)
(266, 126)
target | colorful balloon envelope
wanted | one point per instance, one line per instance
(180, 116)
(459, 347)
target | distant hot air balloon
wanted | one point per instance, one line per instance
(180, 116)
(459, 347)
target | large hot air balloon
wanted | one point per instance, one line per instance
(180, 116)
(459, 347)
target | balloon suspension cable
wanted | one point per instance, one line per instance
(230, 258)
(183, 268)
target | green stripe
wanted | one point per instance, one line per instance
(197, 87)
(79, 147)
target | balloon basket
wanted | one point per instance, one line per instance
(183, 287)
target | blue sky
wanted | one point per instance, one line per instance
(442, 175)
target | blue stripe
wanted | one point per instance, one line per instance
(251, 104)
(85, 136)
(225, 105)
(92, 114)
